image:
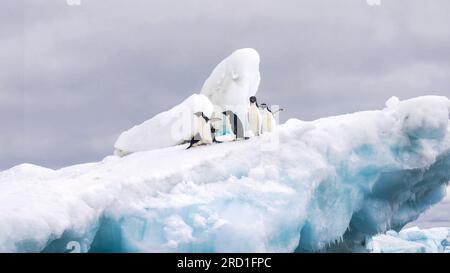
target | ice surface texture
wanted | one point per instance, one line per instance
(309, 186)
(412, 240)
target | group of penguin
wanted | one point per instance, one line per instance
(260, 119)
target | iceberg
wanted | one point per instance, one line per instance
(324, 185)
(412, 240)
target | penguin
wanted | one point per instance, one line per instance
(254, 117)
(214, 130)
(268, 121)
(236, 124)
(204, 131)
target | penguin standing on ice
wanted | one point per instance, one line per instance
(204, 131)
(268, 121)
(254, 117)
(236, 124)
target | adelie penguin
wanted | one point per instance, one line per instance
(204, 133)
(268, 120)
(236, 124)
(254, 117)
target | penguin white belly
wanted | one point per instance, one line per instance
(264, 124)
(206, 134)
(268, 122)
(200, 133)
(199, 126)
(272, 124)
(254, 120)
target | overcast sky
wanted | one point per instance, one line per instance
(72, 78)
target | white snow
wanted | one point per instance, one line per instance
(347, 177)
(233, 82)
(166, 129)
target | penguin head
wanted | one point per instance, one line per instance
(252, 99)
(265, 107)
(227, 113)
(202, 115)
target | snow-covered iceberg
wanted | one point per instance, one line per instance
(412, 240)
(323, 185)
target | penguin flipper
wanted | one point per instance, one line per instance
(192, 144)
(194, 140)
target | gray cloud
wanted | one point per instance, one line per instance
(73, 77)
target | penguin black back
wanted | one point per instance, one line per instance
(236, 123)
